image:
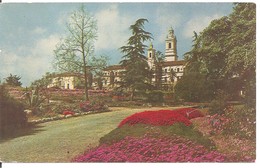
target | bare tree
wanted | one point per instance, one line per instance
(74, 52)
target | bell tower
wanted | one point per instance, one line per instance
(171, 46)
(151, 56)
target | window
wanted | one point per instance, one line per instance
(170, 45)
(68, 86)
(165, 79)
(178, 69)
(165, 70)
(150, 55)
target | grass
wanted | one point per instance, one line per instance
(60, 141)
(139, 130)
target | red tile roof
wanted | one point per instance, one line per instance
(173, 63)
(114, 67)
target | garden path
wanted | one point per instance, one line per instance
(60, 141)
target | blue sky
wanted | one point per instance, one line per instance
(30, 31)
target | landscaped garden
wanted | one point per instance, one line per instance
(207, 115)
(163, 136)
(134, 134)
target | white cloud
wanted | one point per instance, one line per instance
(32, 66)
(112, 28)
(39, 30)
(197, 24)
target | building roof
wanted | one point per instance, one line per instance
(114, 67)
(173, 63)
(67, 74)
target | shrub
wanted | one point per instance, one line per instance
(240, 122)
(65, 113)
(190, 113)
(155, 96)
(92, 106)
(58, 108)
(12, 113)
(218, 105)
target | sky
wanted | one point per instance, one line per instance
(29, 32)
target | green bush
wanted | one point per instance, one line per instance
(12, 115)
(219, 104)
(155, 96)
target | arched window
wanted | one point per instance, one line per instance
(170, 45)
(150, 55)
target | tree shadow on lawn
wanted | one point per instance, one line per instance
(30, 129)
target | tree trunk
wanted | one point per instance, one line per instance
(85, 79)
(132, 94)
(86, 85)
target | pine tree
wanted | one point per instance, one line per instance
(137, 73)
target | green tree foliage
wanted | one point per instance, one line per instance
(194, 87)
(137, 73)
(97, 65)
(225, 52)
(12, 115)
(73, 53)
(44, 81)
(158, 69)
(13, 80)
(35, 98)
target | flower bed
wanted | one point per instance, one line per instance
(92, 106)
(162, 117)
(151, 149)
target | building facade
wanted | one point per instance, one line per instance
(172, 68)
(65, 80)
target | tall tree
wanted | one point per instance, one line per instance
(194, 86)
(44, 81)
(226, 50)
(137, 73)
(73, 53)
(13, 80)
(158, 69)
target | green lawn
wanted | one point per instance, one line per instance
(60, 141)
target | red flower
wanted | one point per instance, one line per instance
(68, 113)
(162, 117)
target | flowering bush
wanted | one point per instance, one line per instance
(218, 123)
(92, 106)
(65, 113)
(190, 113)
(239, 122)
(151, 149)
(162, 117)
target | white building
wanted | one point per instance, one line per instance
(172, 68)
(64, 80)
